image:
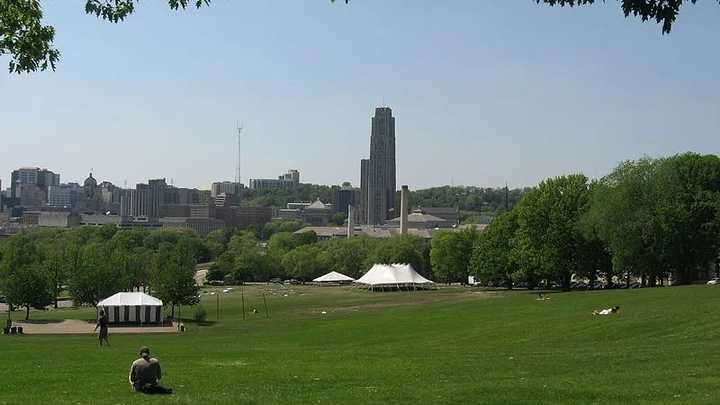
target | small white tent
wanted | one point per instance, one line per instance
(393, 276)
(334, 277)
(132, 307)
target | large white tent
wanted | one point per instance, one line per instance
(393, 276)
(334, 277)
(132, 307)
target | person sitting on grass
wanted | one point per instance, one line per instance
(607, 311)
(145, 374)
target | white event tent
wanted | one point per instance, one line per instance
(132, 307)
(334, 277)
(393, 276)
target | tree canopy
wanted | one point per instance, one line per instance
(450, 254)
(662, 11)
(30, 43)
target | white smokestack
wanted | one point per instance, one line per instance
(404, 197)
(351, 221)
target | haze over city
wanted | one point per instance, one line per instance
(483, 92)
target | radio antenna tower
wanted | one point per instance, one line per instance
(238, 178)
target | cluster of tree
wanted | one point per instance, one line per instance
(468, 198)
(280, 197)
(651, 219)
(93, 263)
(303, 257)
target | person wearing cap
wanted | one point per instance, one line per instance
(145, 374)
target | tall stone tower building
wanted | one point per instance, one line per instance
(378, 173)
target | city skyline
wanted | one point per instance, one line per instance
(486, 92)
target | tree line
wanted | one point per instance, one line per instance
(650, 220)
(469, 198)
(92, 263)
(289, 255)
(89, 264)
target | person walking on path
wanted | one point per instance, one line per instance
(102, 323)
(145, 374)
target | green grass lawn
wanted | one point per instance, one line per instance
(445, 346)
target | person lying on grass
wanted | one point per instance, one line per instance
(145, 374)
(607, 311)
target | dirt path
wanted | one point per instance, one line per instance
(74, 326)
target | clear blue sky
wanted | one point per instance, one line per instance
(483, 91)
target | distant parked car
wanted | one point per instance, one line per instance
(216, 282)
(714, 281)
(3, 299)
(276, 280)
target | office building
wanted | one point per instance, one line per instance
(60, 196)
(288, 180)
(226, 187)
(38, 179)
(243, 217)
(141, 201)
(345, 196)
(178, 195)
(156, 196)
(362, 205)
(58, 219)
(127, 202)
(33, 175)
(30, 195)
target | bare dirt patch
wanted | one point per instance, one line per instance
(75, 326)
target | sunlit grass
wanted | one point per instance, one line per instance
(445, 346)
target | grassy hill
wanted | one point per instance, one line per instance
(445, 346)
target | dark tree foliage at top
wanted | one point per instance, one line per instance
(24, 38)
(662, 11)
(117, 10)
(30, 43)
